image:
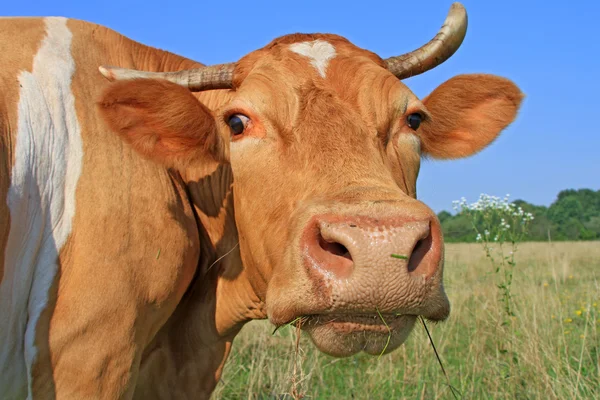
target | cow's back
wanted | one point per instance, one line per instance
(96, 244)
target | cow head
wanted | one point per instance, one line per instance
(325, 141)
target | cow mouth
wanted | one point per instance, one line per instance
(376, 323)
(343, 335)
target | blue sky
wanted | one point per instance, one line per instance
(549, 48)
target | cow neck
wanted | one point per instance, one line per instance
(220, 267)
(197, 338)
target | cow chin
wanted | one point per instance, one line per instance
(346, 335)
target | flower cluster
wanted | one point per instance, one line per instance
(497, 220)
(488, 203)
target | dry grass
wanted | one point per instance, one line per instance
(550, 349)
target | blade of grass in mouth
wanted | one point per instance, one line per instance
(401, 257)
(288, 324)
(452, 388)
(389, 334)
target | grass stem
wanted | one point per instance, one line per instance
(452, 388)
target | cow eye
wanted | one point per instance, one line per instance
(414, 121)
(237, 123)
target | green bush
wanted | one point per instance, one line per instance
(574, 215)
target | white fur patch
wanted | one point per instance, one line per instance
(41, 199)
(319, 51)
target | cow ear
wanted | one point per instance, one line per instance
(468, 113)
(162, 121)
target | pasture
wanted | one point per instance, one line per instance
(550, 349)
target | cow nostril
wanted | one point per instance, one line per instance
(419, 251)
(334, 248)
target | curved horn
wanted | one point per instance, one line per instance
(438, 50)
(197, 79)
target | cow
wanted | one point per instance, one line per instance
(148, 216)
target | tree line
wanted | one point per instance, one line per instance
(574, 215)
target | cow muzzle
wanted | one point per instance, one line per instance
(367, 279)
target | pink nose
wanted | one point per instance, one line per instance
(343, 247)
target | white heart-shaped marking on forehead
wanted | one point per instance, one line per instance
(319, 51)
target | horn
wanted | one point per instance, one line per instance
(438, 50)
(197, 79)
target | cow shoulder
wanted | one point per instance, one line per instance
(96, 238)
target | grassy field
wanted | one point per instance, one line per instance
(549, 350)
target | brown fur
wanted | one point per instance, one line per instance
(124, 270)
(468, 113)
(162, 120)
